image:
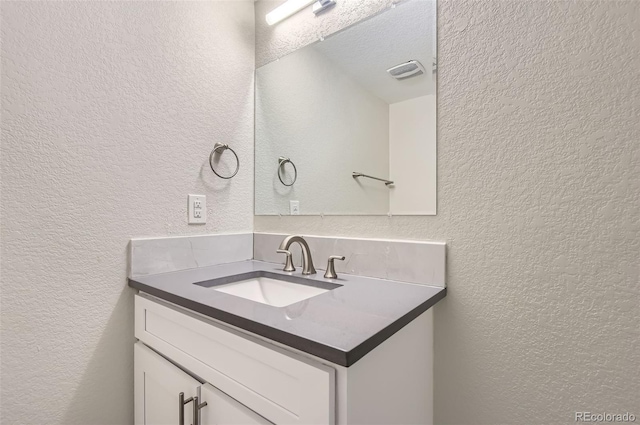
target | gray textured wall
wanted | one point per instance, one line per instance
(109, 112)
(538, 199)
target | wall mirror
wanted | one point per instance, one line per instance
(347, 125)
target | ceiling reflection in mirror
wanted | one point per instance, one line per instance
(347, 125)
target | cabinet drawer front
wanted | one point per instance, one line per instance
(284, 388)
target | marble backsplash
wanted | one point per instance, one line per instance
(407, 261)
(168, 254)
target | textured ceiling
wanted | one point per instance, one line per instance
(367, 49)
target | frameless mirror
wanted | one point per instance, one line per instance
(347, 125)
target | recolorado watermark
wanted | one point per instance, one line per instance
(604, 417)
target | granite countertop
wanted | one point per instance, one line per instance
(341, 325)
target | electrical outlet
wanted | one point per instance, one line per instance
(294, 207)
(197, 209)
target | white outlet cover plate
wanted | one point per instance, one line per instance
(294, 207)
(197, 209)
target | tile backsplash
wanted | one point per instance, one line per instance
(408, 261)
(168, 254)
(420, 262)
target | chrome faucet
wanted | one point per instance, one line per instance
(307, 262)
(331, 268)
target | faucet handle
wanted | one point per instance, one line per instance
(288, 264)
(331, 270)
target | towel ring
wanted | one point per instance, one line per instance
(281, 161)
(215, 150)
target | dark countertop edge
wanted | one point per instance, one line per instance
(370, 344)
(332, 354)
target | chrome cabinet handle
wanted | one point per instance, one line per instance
(331, 270)
(196, 410)
(182, 402)
(288, 266)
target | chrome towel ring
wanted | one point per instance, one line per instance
(281, 162)
(218, 148)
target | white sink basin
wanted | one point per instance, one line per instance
(277, 293)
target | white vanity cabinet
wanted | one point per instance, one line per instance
(282, 387)
(157, 382)
(245, 379)
(223, 410)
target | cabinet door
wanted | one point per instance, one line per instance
(224, 410)
(158, 385)
(285, 388)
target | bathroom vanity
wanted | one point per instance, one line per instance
(229, 332)
(349, 350)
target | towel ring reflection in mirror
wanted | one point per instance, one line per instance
(281, 163)
(218, 148)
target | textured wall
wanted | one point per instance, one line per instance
(109, 112)
(338, 123)
(538, 199)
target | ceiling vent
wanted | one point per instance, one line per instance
(406, 70)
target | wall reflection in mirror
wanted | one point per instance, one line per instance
(347, 125)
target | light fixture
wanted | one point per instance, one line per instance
(291, 7)
(286, 9)
(322, 5)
